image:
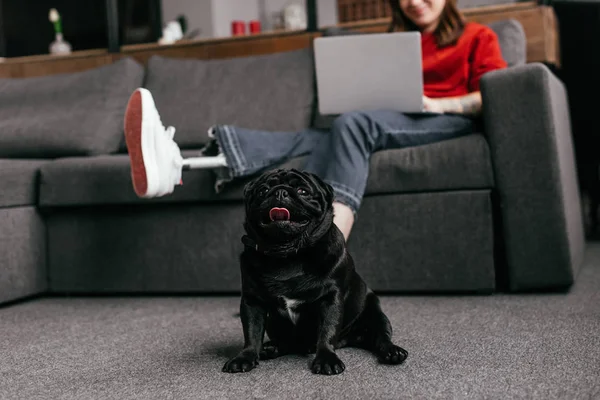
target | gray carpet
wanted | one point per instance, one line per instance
(492, 347)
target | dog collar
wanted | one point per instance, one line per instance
(248, 242)
(251, 244)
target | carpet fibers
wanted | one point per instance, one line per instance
(460, 347)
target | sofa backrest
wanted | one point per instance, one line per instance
(513, 42)
(271, 92)
(74, 114)
(82, 113)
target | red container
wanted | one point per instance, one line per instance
(238, 28)
(254, 26)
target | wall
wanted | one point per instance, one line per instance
(213, 17)
(326, 11)
(225, 11)
(198, 13)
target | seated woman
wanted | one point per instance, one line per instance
(455, 54)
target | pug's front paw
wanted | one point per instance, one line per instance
(327, 363)
(243, 362)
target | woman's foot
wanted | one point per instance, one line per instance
(156, 161)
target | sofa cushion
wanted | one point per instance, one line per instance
(68, 114)
(457, 164)
(19, 182)
(271, 92)
(106, 179)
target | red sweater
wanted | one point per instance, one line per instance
(455, 70)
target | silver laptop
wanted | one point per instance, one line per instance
(369, 71)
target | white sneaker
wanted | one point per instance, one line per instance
(156, 161)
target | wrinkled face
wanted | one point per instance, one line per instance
(425, 14)
(285, 203)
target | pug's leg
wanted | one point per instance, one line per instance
(282, 335)
(326, 362)
(253, 316)
(378, 333)
(271, 350)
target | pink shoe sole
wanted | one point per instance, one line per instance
(133, 139)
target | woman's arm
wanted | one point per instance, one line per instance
(469, 104)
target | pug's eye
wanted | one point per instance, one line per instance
(263, 192)
(302, 192)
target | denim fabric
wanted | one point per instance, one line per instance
(340, 156)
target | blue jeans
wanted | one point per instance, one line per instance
(340, 156)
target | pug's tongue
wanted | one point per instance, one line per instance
(279, 214)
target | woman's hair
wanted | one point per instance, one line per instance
(449, 29)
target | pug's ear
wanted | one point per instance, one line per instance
(325, 187)
(248, 188)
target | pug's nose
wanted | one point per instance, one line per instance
(281, 194)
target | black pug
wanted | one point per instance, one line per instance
(299, 282)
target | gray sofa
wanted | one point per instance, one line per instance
(497, 210)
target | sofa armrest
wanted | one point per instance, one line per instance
(527, 123)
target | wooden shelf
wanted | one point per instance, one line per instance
(538, 22)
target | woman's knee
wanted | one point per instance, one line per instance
(350, 120)
(357, 126)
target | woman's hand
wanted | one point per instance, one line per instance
(469, 104)
(433, 105)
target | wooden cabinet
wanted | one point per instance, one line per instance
(358, 10)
